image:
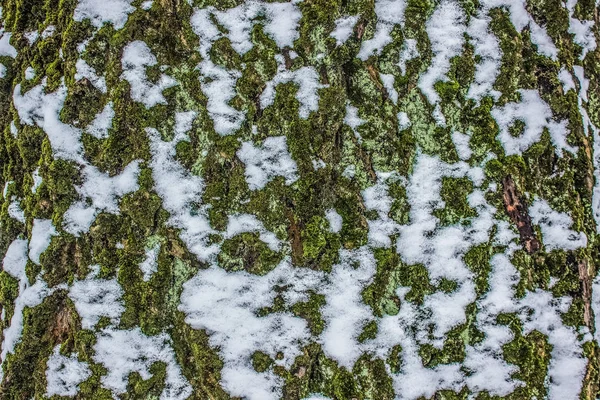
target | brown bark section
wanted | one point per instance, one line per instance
(517, 211)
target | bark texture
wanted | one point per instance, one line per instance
(329, 198)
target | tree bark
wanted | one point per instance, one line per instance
(344, 199)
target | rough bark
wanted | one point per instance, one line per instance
(336, 164)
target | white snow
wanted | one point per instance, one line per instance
(388, 84)
(490, 371)
(567, 363)
(125, 351)
(240, 223)
(15, 211)
(101, 12)
(461, 142)
(64, 374)
(29, 73)
(566, 79)
(335, 220)
(487, 47)
(37, 180)
(218, 83)
(217, 301)
(41, 234)
(102, 122)
(14, 263)
(84, 71)
(183, 123)
(150, 264)
(307, 80)
(36, 107)
(95, 298)
(282, 22)
(229, 306)
(344, 311)
(6, 49)
(409, 52)
(136, 58)
(389, 13)
(180, 192)
(595, 303)
(31, 36)
(520, 19)
(445, 29)
(266, 162)
(403, 121)
(49, 31)
(353, 120)
(343, 28)
(536, 115)
(377, 198)
(555, 227)
(13, 129)
(103, 192)
(582, 30)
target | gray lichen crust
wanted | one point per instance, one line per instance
(305, 199)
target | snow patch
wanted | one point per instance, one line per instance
(389, 13)
(41, 234)
(535, 115)
(64, 374)
(555, 227)
(125, 351)
(84, 71)
(95, 298)
(101, 12)
(445, 28)
(136, 58)
(150, 264)
(307, 80)
(266, 162)
(335, 220)
(180, 191)
(216, 301)
(343, 29)
(102, 122)
(99, 192)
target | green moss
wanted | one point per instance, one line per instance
(373, 380)
(57, 192)
(143, 208)
(44, 326)
(454, 193)
(369, 332)
(138, 388)
(453, 350)
(9, 290)
(246, 252)
(65, 258)
(394, 359)
(320, 248)
(381, 294)
(531, 353)
(82, 104)
(221, 53)
(261, 361)
(310, 310)
(477, 258)
(199, 362)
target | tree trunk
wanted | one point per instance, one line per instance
(341, 199)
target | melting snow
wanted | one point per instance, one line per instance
(64, 374)
(266, 162)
